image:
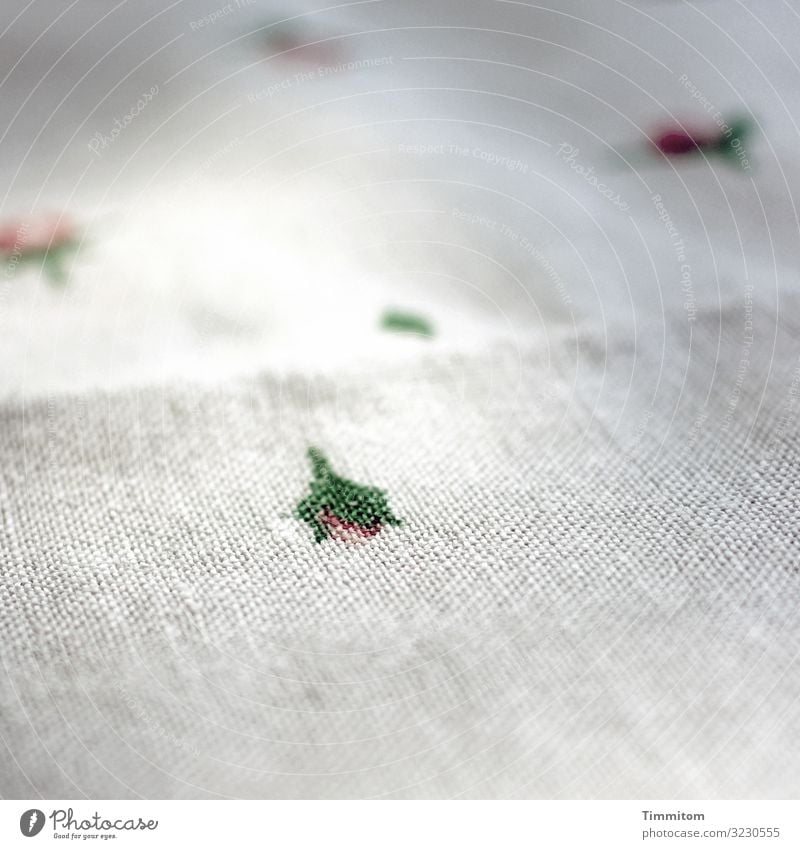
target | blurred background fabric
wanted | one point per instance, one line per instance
(592, 445)
(352, 171)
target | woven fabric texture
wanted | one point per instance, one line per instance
(594, 590)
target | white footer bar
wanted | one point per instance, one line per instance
(402, 825)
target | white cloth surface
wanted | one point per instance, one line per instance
(594, 592)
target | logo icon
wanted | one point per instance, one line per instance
(31, 822)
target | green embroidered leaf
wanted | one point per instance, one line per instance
(403, 322)
(338, 507)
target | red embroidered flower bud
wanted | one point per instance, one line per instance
(678, 142)
(42, 239)
(37, 234)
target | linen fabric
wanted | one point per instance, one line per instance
(594, 591)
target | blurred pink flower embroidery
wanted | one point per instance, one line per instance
(676, 142)
(43, 239)
(300, 44)
(727, 140)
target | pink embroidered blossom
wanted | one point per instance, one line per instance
(676, 142)
(726, 140)
(40, 239)
(38, 234)
(347, 531)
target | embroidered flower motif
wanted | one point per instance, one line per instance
(728, 141)
(405, 322)
(338, 508)
(293, 41)
(43, 239)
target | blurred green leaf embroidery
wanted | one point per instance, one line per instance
(341, 509)
(404, 322)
